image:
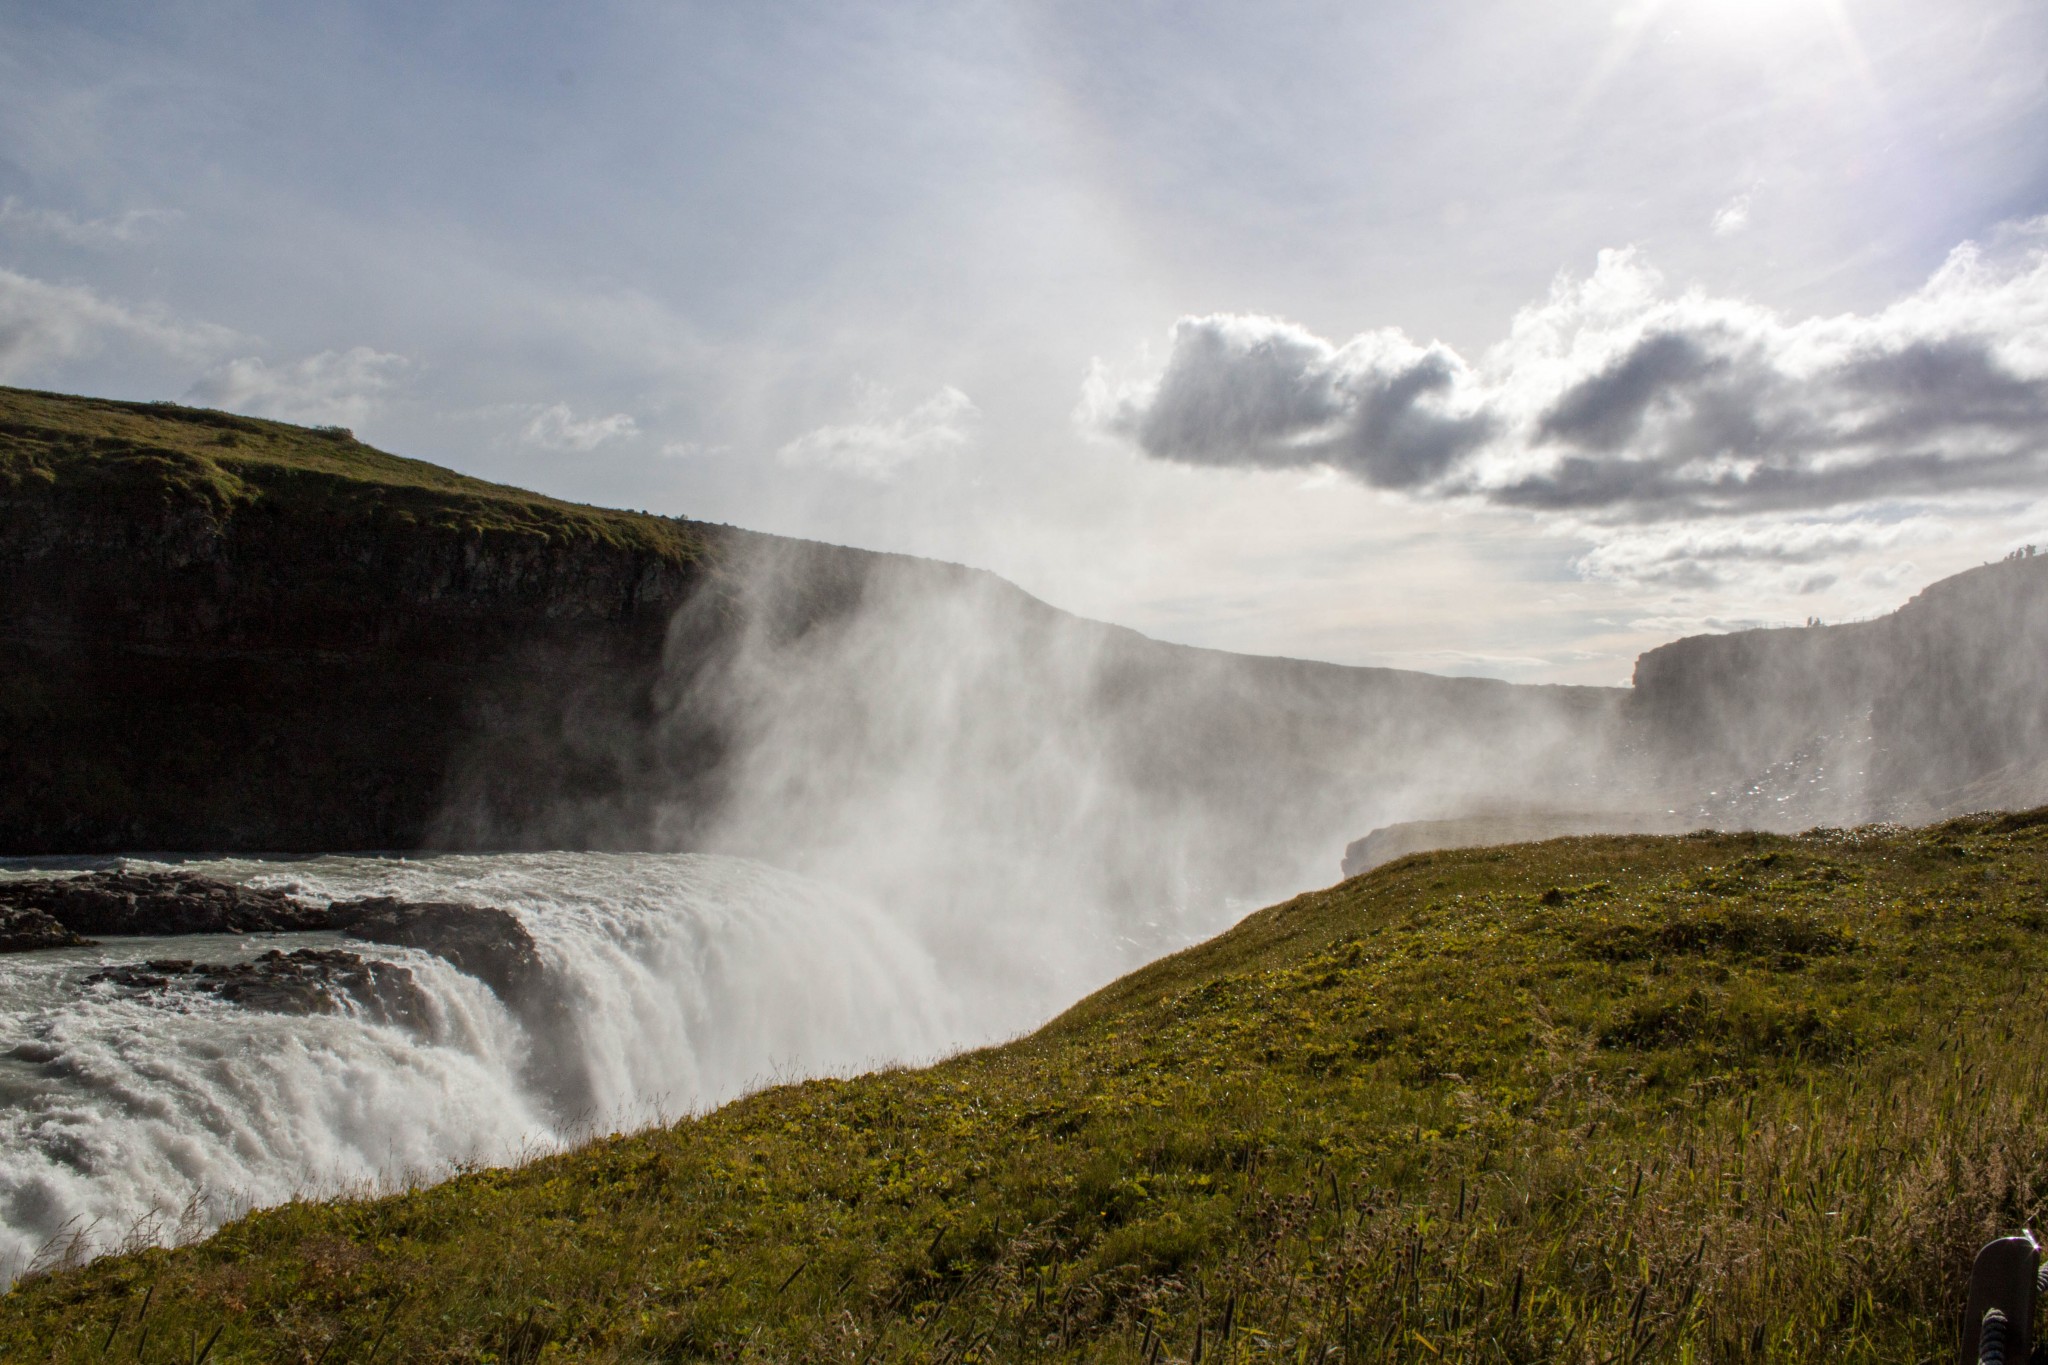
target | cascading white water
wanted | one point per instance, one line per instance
(687, 979)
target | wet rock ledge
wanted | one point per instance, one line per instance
(127, 904)
(308, 981)
(65, 912)
(481, 940)
(23, 931)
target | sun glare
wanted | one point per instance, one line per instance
(1753, 20)
(1739, 29)
(1743, 16)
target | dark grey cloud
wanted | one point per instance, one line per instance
(1400, 438)
(1613, 400)
(1688, 425)
(1235, 393)
(1249, 391)
(1606, 411)
(1925, 388)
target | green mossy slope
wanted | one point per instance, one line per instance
(1712, 1097)
(100, 449)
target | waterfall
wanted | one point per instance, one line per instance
(683, 980)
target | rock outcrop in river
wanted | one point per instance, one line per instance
(303, 981)
(121, 904)
(488, 943)
(23, 931)
(481, 940)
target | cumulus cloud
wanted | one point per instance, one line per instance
(42, 324)
(1256, 391)
(557, 427)
(1619, 400)
(334, 387)
(116, 230)
(878, 442)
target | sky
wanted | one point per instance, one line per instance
(1505, 337)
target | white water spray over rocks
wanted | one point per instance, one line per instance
(687, 980)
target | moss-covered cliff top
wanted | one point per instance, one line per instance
(1718, 1097)
(99, 447)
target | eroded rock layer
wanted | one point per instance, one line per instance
(304, 981)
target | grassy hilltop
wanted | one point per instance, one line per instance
(1717, 1097)
(118, 455)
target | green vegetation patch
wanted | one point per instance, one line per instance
(1598, 1099)
(117, 459)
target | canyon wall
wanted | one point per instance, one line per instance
(1937, 708)
(223, 633)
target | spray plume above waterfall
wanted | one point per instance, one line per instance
(999, 771)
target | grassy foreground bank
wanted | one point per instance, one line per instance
(1600, 1099)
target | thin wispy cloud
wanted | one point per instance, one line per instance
(331, 388)
(879, 440)
(120, 229)
(1732, 217)
(1766, 555)
(692, 450)
(43, 325)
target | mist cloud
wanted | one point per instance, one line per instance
(1615, 399)
(1047, 800)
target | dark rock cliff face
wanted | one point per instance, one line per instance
(1963, 692)
(1916, 710)
(195, 654)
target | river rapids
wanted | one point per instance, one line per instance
(686, 979)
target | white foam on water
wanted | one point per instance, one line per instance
(688, 979)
